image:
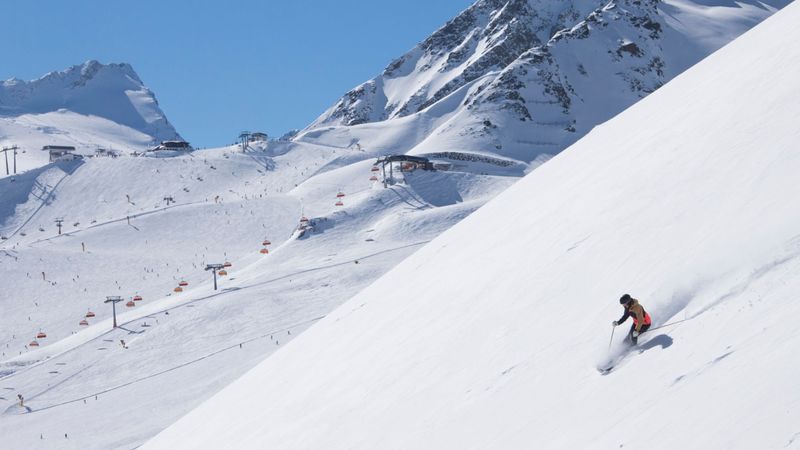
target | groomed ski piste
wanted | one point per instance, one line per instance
(120, 237)
(688, 201)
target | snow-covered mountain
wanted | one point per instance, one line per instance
(138, 226)
(87, 106)
(489, 336)
(525, 78)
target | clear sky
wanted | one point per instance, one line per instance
(218, 67)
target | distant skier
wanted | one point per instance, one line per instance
(634, 310)
(21, 401)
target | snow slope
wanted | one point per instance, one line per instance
(87, 106)
(490, 335)
(120, 237)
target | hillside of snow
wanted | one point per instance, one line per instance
(121, 237)
(524, 79)
(136, 227)
(88, 106)
(490, 336)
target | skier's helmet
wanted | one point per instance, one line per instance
(625, 299)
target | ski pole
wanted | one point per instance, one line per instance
(612, 337)
(670, 324)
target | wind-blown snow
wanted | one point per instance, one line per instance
(489, 336)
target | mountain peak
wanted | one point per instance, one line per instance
(108, 91)
(527, 78)
(80, 74)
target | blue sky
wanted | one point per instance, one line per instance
(219, 67)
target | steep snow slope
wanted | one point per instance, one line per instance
(87, 106)
(526, 78)
(489, 336)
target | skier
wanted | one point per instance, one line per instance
(641, 320)
(21, 401)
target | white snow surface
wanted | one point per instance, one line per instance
(120, 237)
(490, 336)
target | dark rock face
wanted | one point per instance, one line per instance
(537, 86)
(506, 37)
(505, 29)
(349, 109)
(490, 36)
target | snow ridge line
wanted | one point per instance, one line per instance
(153, 375)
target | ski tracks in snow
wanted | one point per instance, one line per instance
(162, 372)
(43, 201)
(683, 299)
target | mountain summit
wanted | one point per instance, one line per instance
(86, 106)
(111, 91)
(522, 78)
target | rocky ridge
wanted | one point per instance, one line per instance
(533, 76)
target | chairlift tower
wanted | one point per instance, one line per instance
(214, 268)
(168, 199)
(113, 299)
(13, 149)
(59, 221)
(244, 137)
